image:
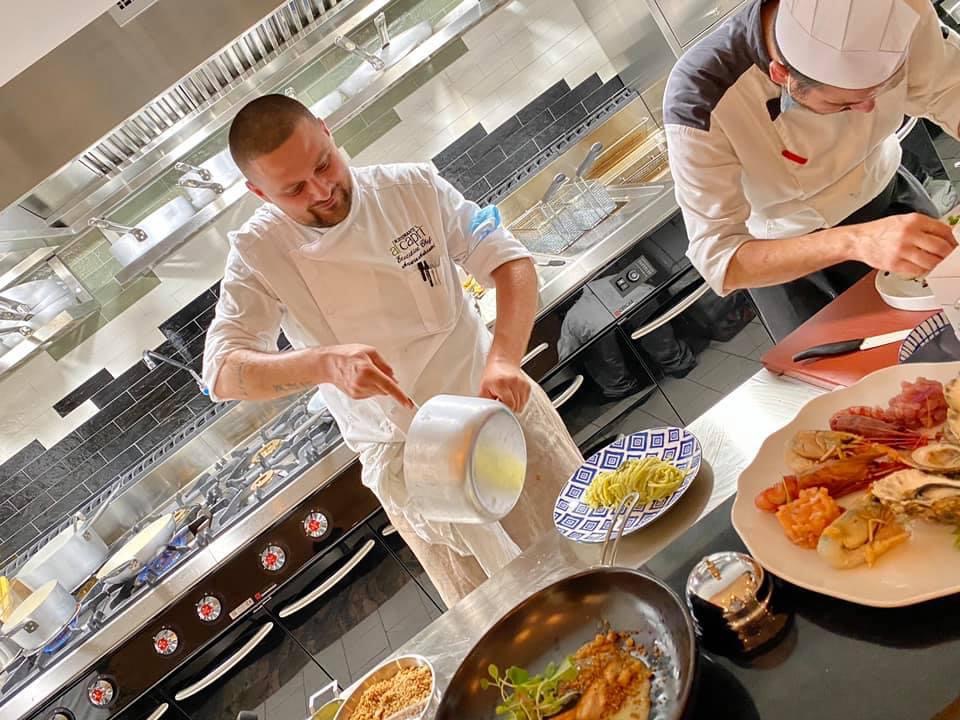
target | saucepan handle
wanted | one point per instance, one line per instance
(624, 509)
(27, 624)
(324, 695)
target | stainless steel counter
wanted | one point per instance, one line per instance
(730, 433)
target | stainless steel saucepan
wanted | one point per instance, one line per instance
(554, 622)
(38, 619)
(137, 552)
(71, 557)
(464, 460)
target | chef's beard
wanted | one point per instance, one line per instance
(325, 217)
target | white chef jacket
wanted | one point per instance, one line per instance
(743, 170)
(386, 277)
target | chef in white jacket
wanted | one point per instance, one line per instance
(781, 134)
(358, 266)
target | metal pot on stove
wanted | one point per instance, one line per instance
(465, 459)
(71, 557)
(38, 619)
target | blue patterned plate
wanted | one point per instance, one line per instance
(930, 341)
(578, 522)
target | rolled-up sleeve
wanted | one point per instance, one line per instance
(708, 181)
(480, 259)
(247, 318)
(933, 73)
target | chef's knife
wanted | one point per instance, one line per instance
(848, 346)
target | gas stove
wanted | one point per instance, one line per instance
(216, 501)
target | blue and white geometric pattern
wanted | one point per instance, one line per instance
(577, 521)
(922, 334)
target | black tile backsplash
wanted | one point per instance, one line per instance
(542, 102)
(72, 400)
(21, 459)
(189, 312)
(484, 166)
(139, 410)
(460, 146)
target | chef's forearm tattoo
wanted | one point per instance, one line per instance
(241, 381)
(290, 387)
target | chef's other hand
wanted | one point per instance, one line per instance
(504, 381)
(361, 372)
(905, 244)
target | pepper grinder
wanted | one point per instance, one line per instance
(732, 602)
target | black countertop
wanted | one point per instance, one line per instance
(839, 660)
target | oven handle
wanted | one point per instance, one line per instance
(571, 390)
(538, 350)
(159, 712)
(671, 314)
(327, 584)
(227, 666)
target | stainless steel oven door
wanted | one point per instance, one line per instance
(257, 667)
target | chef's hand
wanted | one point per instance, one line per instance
(361, 372)
(909, 245)
(504, 381)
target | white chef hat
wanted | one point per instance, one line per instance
(851, 44)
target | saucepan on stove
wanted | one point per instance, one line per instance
(38, 619)
(465, 459)
(609, 618)
(137, 552)
(71, 557)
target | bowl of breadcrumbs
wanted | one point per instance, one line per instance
(400, 689)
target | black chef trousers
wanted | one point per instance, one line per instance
(783, 308)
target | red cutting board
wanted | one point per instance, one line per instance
(859, 312)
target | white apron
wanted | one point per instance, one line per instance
(386, 277)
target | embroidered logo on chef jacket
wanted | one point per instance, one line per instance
(411, 247)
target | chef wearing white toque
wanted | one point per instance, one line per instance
(781, 134)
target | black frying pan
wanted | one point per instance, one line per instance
(557, 620)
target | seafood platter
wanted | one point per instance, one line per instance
(858, 497)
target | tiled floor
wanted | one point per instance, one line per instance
(379, 634)
(355, 654)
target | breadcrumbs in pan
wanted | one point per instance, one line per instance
(407, 687)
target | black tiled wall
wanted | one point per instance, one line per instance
(139, 410)
(485, 166)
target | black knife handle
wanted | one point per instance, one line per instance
(829, 349)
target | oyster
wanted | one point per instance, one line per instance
(951, 393)
(922, 494)
(951, 428)
(941, 458)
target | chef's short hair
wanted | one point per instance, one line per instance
(803, 82)
(263, 125)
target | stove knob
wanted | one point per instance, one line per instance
(209, 608)
(62, 714)
(166, 642)
(315, 524)
(100, 692)
(273, 558)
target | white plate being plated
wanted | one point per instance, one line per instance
(576, 521)
(925, 567)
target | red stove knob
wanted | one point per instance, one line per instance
(166, 642)
(209, 608)
(100, 692)
(273, 558)
(315, 525)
